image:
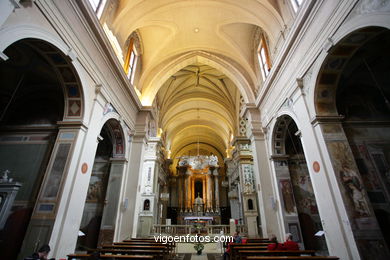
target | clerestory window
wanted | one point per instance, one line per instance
(131, 62)
(296, 4)
(263, 57)
(98, 6)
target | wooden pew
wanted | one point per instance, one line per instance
(136, 243)
(139, 239)
(127, 257)
(171, 245)
(257, 240)
(292, 258)
(165, 248)
(158, 254)
(146, 247)
(244, 253)
(87, 256)
(248, 246)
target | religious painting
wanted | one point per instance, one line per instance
(303, 189)
(52, 186)
(349, 178)
(95, 189)
(288, 197)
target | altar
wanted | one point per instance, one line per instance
(198, 189)
(197, 220)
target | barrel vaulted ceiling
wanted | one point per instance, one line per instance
(177, 33)
(198, 62)
(198, 104)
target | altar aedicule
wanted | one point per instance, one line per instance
(198, 181)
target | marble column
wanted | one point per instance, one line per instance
(180, 191)
(209, 192)
(187, 192)
(216, 192)
(204, 194)
(193, 195)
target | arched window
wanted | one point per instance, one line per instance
(296, 4)
(250, 204)
(132, 57)
(263, 57)
(98, 6)
(146, 205)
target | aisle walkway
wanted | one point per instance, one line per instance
(203, 256)
(211, 251)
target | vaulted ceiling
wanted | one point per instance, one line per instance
(198, 104)
(175, 32)
(198, 63)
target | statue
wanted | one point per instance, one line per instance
(198, 204)
(356, 190)
(213, 160)
(4, 178)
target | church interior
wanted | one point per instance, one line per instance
(121, 120)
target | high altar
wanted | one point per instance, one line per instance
(198, 189)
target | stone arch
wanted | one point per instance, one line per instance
(58, 69)
(239, 78)
(119, 131)
(55, 51)
(324, 94)
(117, 137)
(336, 130)
(105, 184)
(279, 131)
(279, 135)
(297, 198)
(66, 73)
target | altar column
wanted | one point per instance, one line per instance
(181, 171)
(179, 188)
(193, 195)
(216, 184)
(204, 193)
(209, 192)
(187, 192)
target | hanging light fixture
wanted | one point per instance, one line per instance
(198, 134)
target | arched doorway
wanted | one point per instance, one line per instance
(39, 91)
(352, 96)
(102, 201)
(299, 204)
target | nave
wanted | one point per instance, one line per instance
(125, 119)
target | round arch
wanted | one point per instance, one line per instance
(154, 84)
(329, 70)
(116, 128)
(288, 116)
(59, 55)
